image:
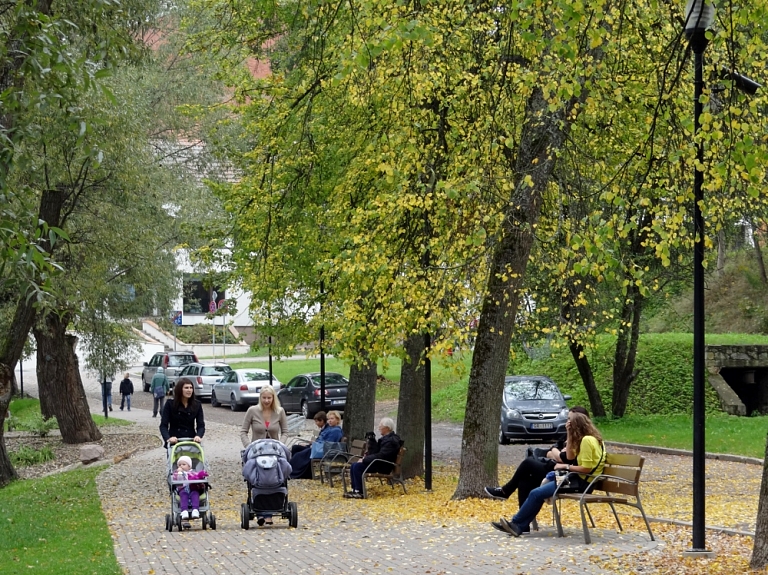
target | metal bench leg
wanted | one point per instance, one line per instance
(616, 516)
(556, 513)
(589, 513)
(587, 538)
(647, 525)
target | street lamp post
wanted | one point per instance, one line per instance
(699, 16)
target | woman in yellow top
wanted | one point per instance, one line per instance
(265, 420)
(585, 444)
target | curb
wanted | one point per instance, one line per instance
(669, 451)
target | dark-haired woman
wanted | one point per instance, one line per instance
(182, 416)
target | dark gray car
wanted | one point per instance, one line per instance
(532, 408)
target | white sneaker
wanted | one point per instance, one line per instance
(195, 514)
(185, 514)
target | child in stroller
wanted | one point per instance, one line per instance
(266, 471)
(188, 485)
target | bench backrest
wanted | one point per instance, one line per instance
(357, 447)
(295, 422)
(625, 466)
(397, 470)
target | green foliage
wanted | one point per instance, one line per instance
(56, 525)
(36, 424)
(25, 456)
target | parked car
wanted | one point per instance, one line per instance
(170, 361)
(302, 393)
(240, 388)
(532, 408)
(202, 376)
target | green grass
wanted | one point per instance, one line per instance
(724, 433)
(55, 525)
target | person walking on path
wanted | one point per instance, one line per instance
(126, 391)
(182, 417)
(160, 388)
(265, 420)
(107, 391)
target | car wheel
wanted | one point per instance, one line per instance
(233, 403)
(146, 385)
(503, 440)
(305, 410)
(214, 401)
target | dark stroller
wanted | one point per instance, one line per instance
(266, 471)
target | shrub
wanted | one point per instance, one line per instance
(36, 424)
(26, 455)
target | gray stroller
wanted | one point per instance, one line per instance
(266, 471)
(194, 451)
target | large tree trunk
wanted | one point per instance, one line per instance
(588, 378)
(410, 407)
(360, 411)
(59, 383)
(542, 135)
(624, 372)
(12, 342)
(759, 559)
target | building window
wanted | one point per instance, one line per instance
(198, 297)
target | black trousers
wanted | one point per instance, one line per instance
(528, 476)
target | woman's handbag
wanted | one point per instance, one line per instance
(318, 449)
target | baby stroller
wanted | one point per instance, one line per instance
(266, 471)
(194, 451)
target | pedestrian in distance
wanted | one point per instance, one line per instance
(160, 389)
(106, 391)
(126, 391)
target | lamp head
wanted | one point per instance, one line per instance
(699, 16)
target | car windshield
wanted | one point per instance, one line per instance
(334, 379)
(215, 369)
(177, 360)
(256, 376)
(530, 389)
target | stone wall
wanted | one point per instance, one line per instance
(739, 375)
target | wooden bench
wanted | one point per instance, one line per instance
(394, 476)
(620, 483)
(334, 462)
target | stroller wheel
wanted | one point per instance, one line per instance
(204, 520)
(179, 524)
(168, 522)
(212, 520)
(293, 509)
(244, 516)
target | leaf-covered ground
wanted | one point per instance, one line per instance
(732, 490)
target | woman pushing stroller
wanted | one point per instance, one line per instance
(183, 416)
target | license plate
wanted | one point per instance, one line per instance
(338, 402)
(541, 426)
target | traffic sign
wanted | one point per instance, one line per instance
(221, 303)
(212, 307)
(177, 316)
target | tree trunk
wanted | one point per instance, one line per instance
(588, 378)
(360, 411)
(59, 382)
(759, 559)
(624, 372)
(759, 254)
(410, 407)
(542, 135)
(721, 247)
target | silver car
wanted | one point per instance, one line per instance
(170, 361)
(202, 377)
(241, 388)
